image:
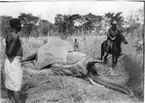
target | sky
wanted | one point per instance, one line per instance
(48, 10)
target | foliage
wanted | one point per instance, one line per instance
(117, 17)
(65, 23)
(135, 22)
(75, 24)
(28, 22)
(44, 25)
(93, 22)
(4, 25)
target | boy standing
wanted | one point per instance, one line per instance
(13, 69)
(76, 45)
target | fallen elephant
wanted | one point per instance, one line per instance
(58, 58)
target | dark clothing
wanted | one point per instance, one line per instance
(17, 51)
(112, 33)
(111, 37)
(13, 96)
(76, 46)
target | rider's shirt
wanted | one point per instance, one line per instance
(112, 33)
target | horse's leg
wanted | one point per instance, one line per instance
(105, 57)
(106, 53)
(113, 60)
(117, 50)
(116, 59)
(102, 51)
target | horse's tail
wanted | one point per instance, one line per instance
(102, 49)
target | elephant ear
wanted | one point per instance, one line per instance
(91, 66)
(52, 51)
(74, 57)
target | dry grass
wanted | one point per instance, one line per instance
(62, 89)
(133, 64)
(2, 58)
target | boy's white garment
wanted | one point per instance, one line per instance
(13, 74)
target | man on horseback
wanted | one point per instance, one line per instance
(113, 44)
(113, 32)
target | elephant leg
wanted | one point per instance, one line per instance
(67, 72)
(48, 72)
(106, 54)
(30, 58)
(31, 71)
(67, 66)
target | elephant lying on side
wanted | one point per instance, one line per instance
(59, 58)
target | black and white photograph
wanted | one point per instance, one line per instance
(72, 51)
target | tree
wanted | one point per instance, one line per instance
(90, 21)
(4, 25)
(65, 23)
(109, 15)
(134, 22)
(117, 17)
(69, 22)
(59, 23)
(28, 22)
(45, 26)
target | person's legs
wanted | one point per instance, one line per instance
(13, 96)
(16, 96)
(10, 94)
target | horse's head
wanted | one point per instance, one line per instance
(121, 38)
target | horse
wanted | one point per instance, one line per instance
(112, 47)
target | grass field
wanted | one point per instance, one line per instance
(63, 89)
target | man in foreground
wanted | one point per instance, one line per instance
(13, 69)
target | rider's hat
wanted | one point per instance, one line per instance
(114, 22)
